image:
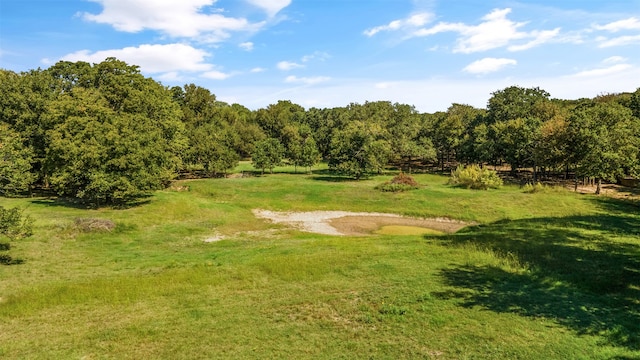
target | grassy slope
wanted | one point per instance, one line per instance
(548, 275)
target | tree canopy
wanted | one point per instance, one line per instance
(104, 133)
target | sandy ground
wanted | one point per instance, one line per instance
(352, 223)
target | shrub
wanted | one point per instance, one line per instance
(532, 189)
(400, 182)
(13, 225)
(475, 177)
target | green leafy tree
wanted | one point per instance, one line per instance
(515, 140)
(13, 225)
(359, 150)
(634, 103)
(217, 133)
(268, 154)
(15, 163)
(607, 141)
(449, 130)
(515, 102)
(309, 154)
(116, 140)
(24, 101)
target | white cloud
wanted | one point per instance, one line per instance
(258, 70)
(604, 71)
(288, 65)
(248, 46)
(184, 18)
(215, 75)
(614, 60)
(318, 55)
(488, 65)
(412, 22)
(151, 58)
(307, 80)
(626, 24)
(271, 7)
(495, 31)
(540, 37)
(171, 77)
(619, 41)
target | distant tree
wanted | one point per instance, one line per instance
(309, 154)
(212, 147)
(515, 102)
(634, 103)
(275, 117)
(359, 150)
(404, 135)
(15, 163)
(449, 130)
(13, 225)
(268, 154)
(606, 141)
(515, 141)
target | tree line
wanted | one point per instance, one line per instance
(104, 133)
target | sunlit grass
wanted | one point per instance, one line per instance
(545, 275)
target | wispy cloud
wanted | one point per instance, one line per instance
(317, 55)
(620, 25)
(258, 70)
(604, 42)
(626, 25)
(604, 71)
(216, 75)
(288, 65)
(614, 60)
(539, 38)
(271, 7)
(494, 31)
(307, 80)
(412, 22)
(247, 46)
(488, 65)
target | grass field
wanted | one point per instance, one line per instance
(550, 275)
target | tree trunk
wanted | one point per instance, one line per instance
(598, 188)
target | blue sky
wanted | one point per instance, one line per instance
(329, 53)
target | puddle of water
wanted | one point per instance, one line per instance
(406, 230)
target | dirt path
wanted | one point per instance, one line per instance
(352, 223)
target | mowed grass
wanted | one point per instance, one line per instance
(552, 275)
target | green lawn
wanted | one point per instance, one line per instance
(550, 275)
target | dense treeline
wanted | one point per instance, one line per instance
(104, 133)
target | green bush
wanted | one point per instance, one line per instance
(400, 182)
(475, 177)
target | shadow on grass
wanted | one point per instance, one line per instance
(583, 271)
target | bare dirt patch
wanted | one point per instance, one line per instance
(353, 223)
